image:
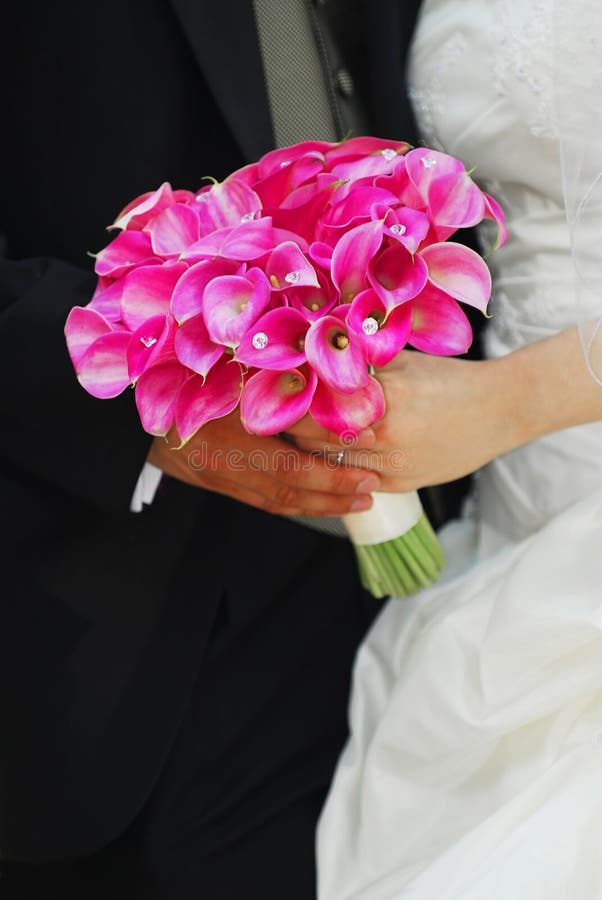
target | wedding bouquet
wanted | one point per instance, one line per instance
(280, 291)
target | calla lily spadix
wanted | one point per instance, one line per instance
(281, 291)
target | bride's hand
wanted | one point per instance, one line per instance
(444, 419)
(447, 417)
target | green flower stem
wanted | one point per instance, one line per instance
(404, 565)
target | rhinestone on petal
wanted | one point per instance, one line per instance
(389, 153)
(260, 340)
(398, 229)
(370, 326)
(248, 217)
(148, 341)
(428, 162)
(292, 277)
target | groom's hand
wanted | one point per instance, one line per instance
(266, 472)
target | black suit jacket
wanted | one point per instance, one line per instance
(104, 614)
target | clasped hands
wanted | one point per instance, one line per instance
(444, 418)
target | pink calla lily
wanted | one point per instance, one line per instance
(141, 210)
(352, 256)
(382, 336)
(147, 292)
(288, 267)
(396, 275)
(187, 297)
(156, 393)
(424, 166)
(454, 202)
(336, 354)
(282, 157)
(460, 272)
(276, 341)
(311, 301)
(173, 230)
(151, 344)
(226, 204)
(439, 325)
(288, 177)
(271, 402)
(407, 226)
(357, 147)
(348, 414)
(107, 299)
(82, 328)
(194, 348)
(125, 252)
(356, 208)
(245, 242)
(201, 400)
(103, 369)
(232, 303)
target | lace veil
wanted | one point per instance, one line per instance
(578, 106)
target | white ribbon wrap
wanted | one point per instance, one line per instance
(390, 516)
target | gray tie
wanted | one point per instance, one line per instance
(301, 104)
(294, 64)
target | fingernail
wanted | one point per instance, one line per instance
(369, 484)
(361, 503)
(366, 437)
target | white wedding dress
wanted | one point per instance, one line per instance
(474, 767)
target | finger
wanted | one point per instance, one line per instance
(289, 500)
(307, 428)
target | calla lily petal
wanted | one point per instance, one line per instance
(226, 204)
(173, 230)
(282, 157)
(361, 146)
(494, 211)
(348, 414)
(439, 325)
(321, 254)
(352, 255)
(424, 165)
(288, 266)
(245, 242)
(152, 344)
(103, 368)
(396, 275)
(141, 210)
(107, 299)
(336, 354)
(407, 226)
(454, 202)
(194, 348)
(128, 250)
(276, 341)
(273, 401)
(382, 336)
(232, 303)
(460, 272)
(82, 328)
(156, 393)
(147, 292)
(187, 297)
(314, 302)
(203, 399)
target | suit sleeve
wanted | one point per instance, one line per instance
(54, 432)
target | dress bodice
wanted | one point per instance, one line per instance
(482, 83)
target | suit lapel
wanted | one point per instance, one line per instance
(224, 41)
